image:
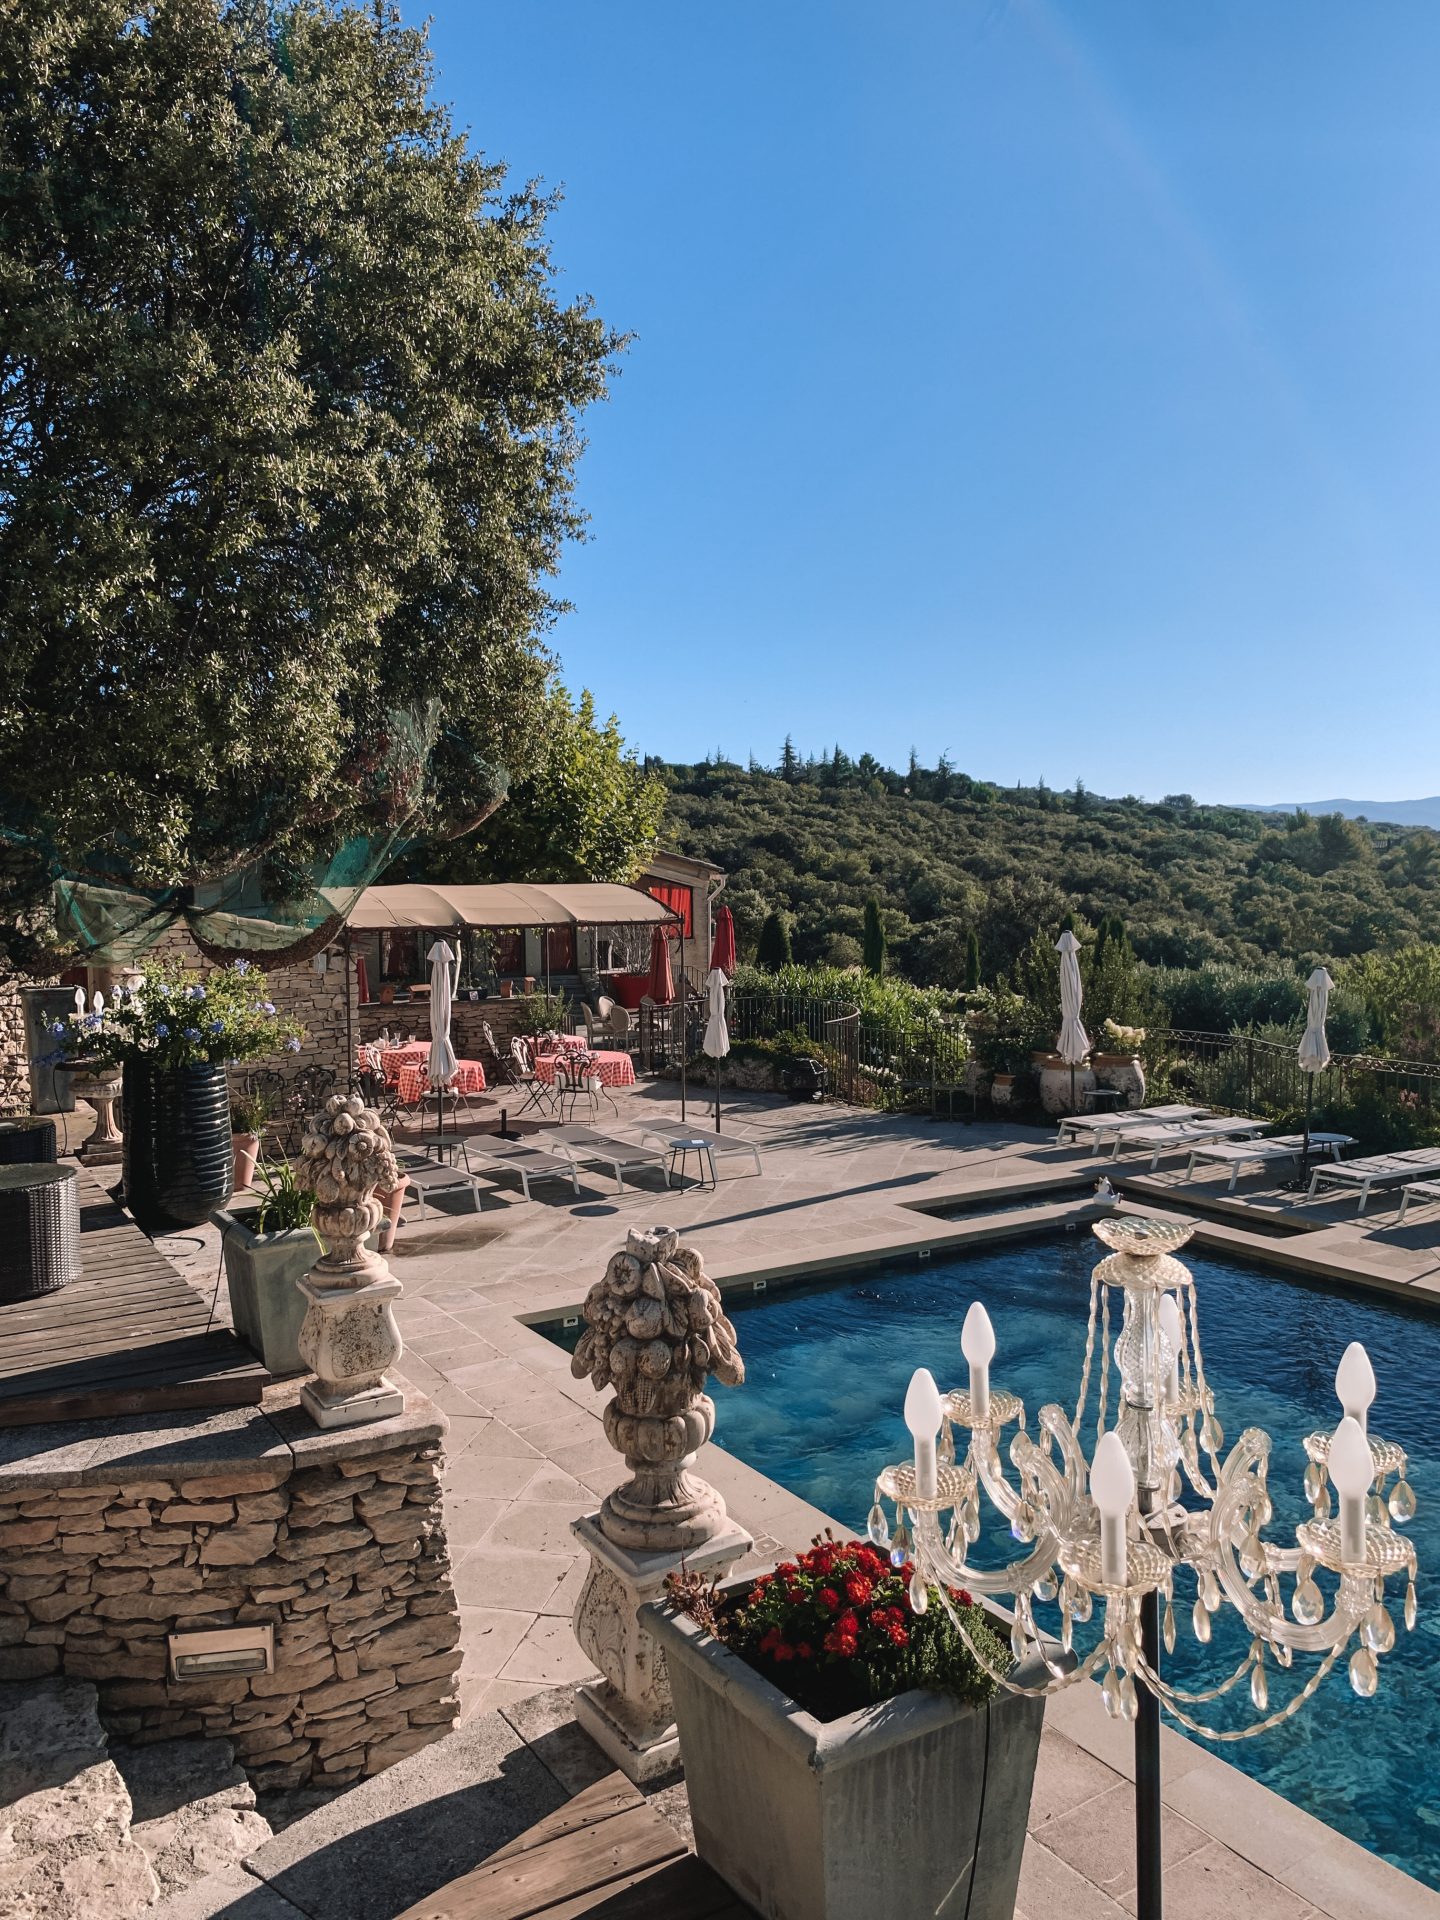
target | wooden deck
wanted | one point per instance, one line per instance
(127, 1337)
(606, 1853)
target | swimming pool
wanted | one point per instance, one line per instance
(826, 1370)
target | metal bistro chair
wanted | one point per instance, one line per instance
(499, 1067)
(539, 1093)
(576, 1079)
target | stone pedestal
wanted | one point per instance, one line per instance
(349, 1336)
(629, 1714)
(348, 1339)
(100, 1091)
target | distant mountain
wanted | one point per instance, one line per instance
(1397, 813)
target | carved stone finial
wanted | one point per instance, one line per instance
(349, 1336)
(655, 1330)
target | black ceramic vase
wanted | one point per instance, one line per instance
(179, 1161)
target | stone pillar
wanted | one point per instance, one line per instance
(349, 1336)
(655, 1329)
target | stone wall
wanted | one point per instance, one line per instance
(336, 1540)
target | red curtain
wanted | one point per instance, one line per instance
(679, 900)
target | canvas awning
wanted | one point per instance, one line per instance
(588, 904)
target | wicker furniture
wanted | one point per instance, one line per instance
(39, 1230)
(26, 1139)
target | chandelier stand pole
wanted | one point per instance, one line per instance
(1148, 1896)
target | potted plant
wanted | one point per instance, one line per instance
(267, 1249)
(1117, 1061)
(249, 1115)
(173, 1032)
(839, 1743)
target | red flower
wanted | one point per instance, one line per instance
(770, 1640)
(857, 1588)
(842, 1640)
(783, 1651)
(804, 1651)
(829, 1599)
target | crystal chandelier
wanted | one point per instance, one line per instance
(1159, 1496)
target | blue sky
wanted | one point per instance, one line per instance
(1048, 382)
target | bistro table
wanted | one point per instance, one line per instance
(392, 1059)
(611, 1069)
(414, 1079)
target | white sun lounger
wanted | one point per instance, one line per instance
(1157, 1141)
(1099, 1127)
(1379, 1171)
(587, 1148)
(718, 1146)
(529, 1162)
(1416, 1190)
(1236, 1154)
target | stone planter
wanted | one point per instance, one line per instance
(100, 1088)
(262, 1271)
(179, 1164)
(1059, 1093)
(1124, 1072)
(913, 1807)
(1002, 1089)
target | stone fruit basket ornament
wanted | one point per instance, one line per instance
(655, 1329)
(349, 1336)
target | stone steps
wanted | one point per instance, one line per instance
(91, 1833)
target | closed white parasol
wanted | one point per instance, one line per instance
(442, 990)
(716, 1043)
(1073, 1045)
(1314, 1051)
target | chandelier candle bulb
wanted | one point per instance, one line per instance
(1174, 1332)
(923, 1414)
(977, 1343)
(1112, 1488)
(1355, 1384)
(1351, 1469)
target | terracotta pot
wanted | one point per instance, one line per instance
(247, 1151)
(1002, 1089)
(392, 1202)
(507, 989)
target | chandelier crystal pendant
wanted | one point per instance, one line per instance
(1161, 1517)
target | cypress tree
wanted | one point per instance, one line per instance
(972, 961)
(772, 950)
(873, 939)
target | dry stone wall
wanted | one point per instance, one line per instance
(346, 1559)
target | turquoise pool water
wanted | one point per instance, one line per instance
(827, 1367)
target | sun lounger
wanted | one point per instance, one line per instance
(719, 1146)
(1099, 1128)
(1416, 1190)
(429, 1178)
(1161, 1140)
(1379, 1171)
(1236, 1154)
(529, 1162)
(587, 1148)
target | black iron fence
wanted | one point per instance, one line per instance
(927, 1064)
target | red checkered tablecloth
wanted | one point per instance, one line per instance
(415, 1079)
(613, 1069)
(392, 1059)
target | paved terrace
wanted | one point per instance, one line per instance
(527, 1454)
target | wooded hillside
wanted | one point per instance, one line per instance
(944, 855)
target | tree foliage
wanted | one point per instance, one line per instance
(1188, 887)
(288, 428)
(586, 811)
(873, 943)
(772, 949)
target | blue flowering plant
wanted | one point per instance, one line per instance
(178, 1017)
